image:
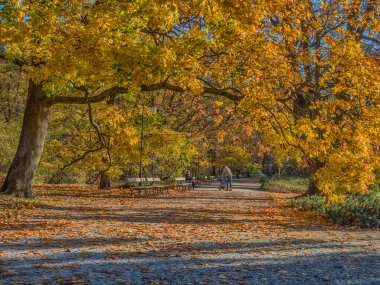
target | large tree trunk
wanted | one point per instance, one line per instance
(31, 143)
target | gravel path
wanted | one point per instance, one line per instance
(199, 237)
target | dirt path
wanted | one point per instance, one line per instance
(88, 236)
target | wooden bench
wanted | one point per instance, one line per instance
(137, 187)
(206, 180)
(197, 182)
(159, 186)
(213, 178)
(146, 187)
(209, 179)
(181, 184)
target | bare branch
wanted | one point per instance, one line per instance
(95, 125)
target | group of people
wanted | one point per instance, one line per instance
(225, 181)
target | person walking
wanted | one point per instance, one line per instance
(227, 175)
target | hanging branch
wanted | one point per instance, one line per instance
(101, 137)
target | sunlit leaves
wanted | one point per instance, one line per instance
(324, 109)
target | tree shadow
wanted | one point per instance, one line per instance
(195, 195)
(260, 262)
(161, 215)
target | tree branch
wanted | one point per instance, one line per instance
(376, 41)
(94, 99)
(17, 61)
(95, 125)
(164, 85)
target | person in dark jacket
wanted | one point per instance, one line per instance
(189, 179)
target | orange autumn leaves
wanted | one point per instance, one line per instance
(306, 71)
(318, 99)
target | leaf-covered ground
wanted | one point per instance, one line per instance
(79, 235)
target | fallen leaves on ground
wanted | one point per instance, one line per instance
(87, 221)
(87, 212)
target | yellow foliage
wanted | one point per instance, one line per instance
(316, 95)
(308, 70)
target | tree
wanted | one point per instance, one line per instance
(318, 99)
(95, 143)
(239, 160)
(81, 52)
(74, 145)
(307, 71)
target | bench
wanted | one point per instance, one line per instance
(209, 179)
(138, 187)
(147, 187)
(181, 184)
(159, 185)
(206, 180)
(197, 182)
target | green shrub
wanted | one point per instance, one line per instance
(375, 187)
(310, 203)
(263, 178)
(288, 184)
(264, 186)
(359, 210)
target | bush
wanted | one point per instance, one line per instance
(310, 203)
(375, 187)
(288, 184)
(263, 178)
(256, 172)
(359, 210)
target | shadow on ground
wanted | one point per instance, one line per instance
(260, 262)
(198, 237)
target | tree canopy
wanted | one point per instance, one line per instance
(303, 76)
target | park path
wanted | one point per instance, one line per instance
(88, 236)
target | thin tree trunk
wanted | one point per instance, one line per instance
(105, 181)
(313, 186)
(31, 143)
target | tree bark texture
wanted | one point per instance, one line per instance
(313, 189)
(18, 181)
(105, 181)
